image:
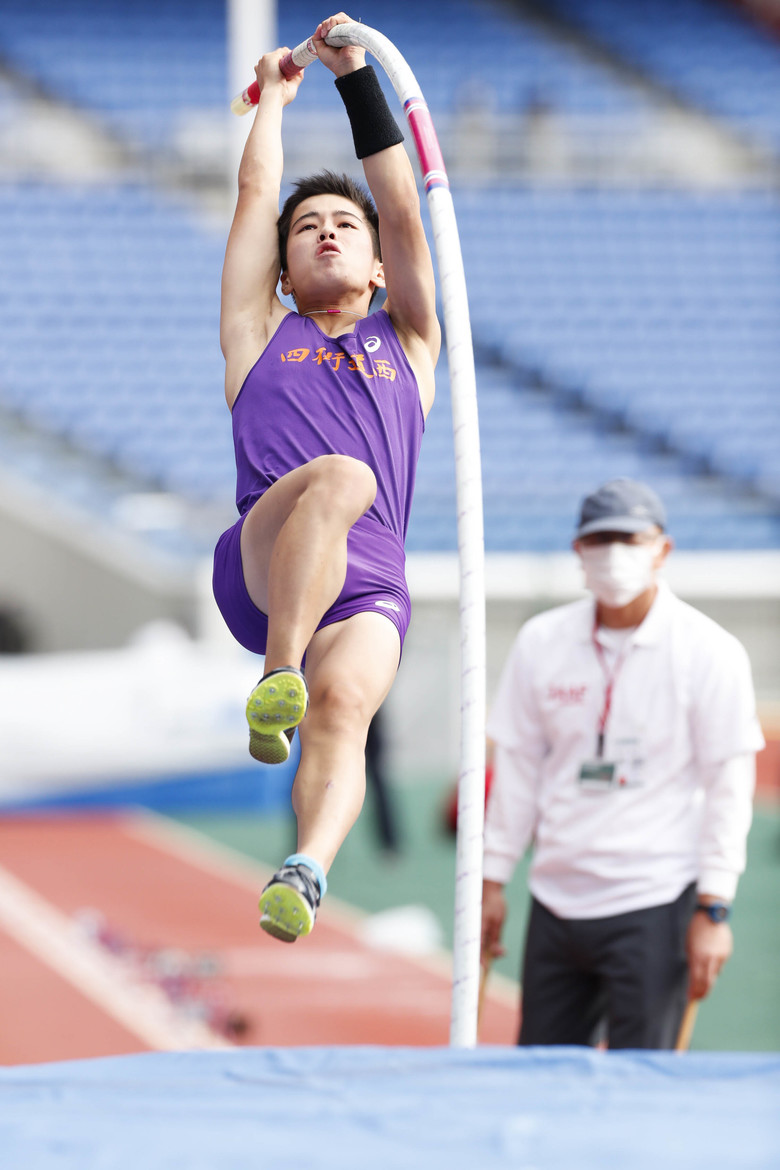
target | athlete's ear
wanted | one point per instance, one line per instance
(378, 279)
(285, 284)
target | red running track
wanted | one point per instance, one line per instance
(167, 897)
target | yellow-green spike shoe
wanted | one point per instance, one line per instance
(289, 903)
(273, 710)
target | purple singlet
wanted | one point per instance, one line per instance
(308, 395)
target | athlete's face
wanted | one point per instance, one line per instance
(330, 251)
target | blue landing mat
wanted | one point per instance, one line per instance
(394, 1109)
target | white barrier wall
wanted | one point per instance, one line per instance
(79, 585)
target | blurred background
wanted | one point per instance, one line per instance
(615, 171)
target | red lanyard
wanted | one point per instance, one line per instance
(610, 680)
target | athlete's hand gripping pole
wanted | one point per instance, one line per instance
(468, 482)
(290, 64)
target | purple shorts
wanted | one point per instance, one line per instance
(375, 583)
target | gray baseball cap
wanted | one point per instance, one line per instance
(622, 505)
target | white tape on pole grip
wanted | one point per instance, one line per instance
(305, 53)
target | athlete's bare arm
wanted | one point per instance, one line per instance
(408, 268)
(409, 279)
(251, 310)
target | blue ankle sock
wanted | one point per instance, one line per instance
(314, 866)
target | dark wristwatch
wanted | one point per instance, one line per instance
(715, 911)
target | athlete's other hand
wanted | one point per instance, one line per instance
(340, 61)
(269, 76)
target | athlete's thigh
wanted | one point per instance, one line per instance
(261, 528)
(362, 652)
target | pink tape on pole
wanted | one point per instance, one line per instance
(431, 159)
(287, 66)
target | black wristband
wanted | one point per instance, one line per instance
(373, 126)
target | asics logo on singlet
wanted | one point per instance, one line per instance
(372, 343)
(388, 605)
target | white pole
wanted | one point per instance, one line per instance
(468, 475)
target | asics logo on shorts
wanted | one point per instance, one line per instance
(388, 605)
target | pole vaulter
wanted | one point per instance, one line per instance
(468, 476)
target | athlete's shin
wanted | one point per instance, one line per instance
(330, 783)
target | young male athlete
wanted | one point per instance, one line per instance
(328, 407)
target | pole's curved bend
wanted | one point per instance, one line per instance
(468, 475)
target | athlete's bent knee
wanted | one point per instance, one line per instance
(345, 481)
(339, 707)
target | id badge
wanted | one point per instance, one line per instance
(597, 775)
(628, 751)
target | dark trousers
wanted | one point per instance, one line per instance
(386, 820)
(627, 974)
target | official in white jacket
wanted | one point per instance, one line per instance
(625, 734)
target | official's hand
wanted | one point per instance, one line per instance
(493, 916)
(340, 61)
(709, 945)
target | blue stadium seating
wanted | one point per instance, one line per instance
(146, 67)
(619, 332)
(713, 55)
(539, 459)
(110, 339)
(657, 309)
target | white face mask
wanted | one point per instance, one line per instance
(616, 573)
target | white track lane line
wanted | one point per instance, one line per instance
(53, 938)
(203, 852)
